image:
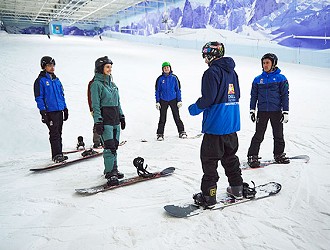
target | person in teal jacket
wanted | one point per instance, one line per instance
(108, 116)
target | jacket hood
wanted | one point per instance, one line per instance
(226, 63)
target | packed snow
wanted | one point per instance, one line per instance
(42, 210)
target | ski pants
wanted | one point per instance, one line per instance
(163, 113)
(110, 139)
(261, 126)
(55, 125)
(217, 148)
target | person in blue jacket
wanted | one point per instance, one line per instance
(221, 120)
(49, 95)
(270, 91)
(168, 93)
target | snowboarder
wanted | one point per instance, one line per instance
(168, 93)
(49, 95)
(271, 91)
(108, 116)
(221, 121)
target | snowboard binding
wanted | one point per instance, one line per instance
(249, 192)
(141, 171)
(88, 152)
(80, 143)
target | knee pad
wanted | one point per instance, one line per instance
(111, 145)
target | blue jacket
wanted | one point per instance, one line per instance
(270, 91)
(168, 88)
(220, 99)
(49, 93)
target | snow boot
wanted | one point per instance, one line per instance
(206, 201)
(112, 178)
(160, 137)
(183, 135)
(60, 158)
(253, 161)
(282, 159)
(235, 192)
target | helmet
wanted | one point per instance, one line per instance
(100, 62)
(166, 64)
(46, 60)
(271, 57)
(212, 50)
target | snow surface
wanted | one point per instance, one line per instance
(42, 211)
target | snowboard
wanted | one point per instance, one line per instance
(125, 182)
(81, 150)
(264, 163)
(67, 162)
(187, 210)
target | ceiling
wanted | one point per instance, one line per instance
(69, 11)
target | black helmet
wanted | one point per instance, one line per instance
(46, 60)
(213, 50)
(100, 62)
(271, 57)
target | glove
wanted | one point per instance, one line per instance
(122, 122)
(179, 104)
(285, 117)
(253, 115)
(44, 117)
(65, 114)
(99, 128)
(158, 106)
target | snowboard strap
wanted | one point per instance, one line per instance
(141, 171)
(88, 152)
(249, 192)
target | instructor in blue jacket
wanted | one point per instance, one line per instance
(221, 120)
(49, 95)
(270, 93)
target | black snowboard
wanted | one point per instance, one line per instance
(188, 210)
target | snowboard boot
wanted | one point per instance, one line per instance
(235, 192)
(253, 161)
(282, 159)
(97, 145)
(119, 174)
(59, 158)
(160, 137)
(206, 201)
(183, 135)
(112, 178)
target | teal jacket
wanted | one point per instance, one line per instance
(105, 100)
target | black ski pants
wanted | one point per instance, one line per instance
(55, 125)
(217, 148)
(163, 113)
(261, 126)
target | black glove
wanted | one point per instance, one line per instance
(253, 115)
(44, 117)
(65, 114)
(99, 128)
(122, 122)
